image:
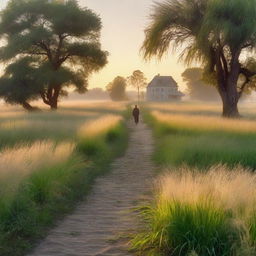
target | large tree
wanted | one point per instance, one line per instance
(138, 81)
(117, 89)
(216, 33)
(60, 36)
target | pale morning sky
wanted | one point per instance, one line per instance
(124, 22)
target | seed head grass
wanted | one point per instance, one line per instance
(206, 123)
(205, 214)
(19, 162)
(99, 126)
(202, 141)
(48, 162)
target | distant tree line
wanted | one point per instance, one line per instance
(117, 88)
(197, 88)
(49, 46)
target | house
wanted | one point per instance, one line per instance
(163, 88)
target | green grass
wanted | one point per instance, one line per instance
(205, 203)
(201, 148)
(200, 213)
(182, 229)
(30, 127)
(42, 185)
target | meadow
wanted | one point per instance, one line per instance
(204, 201)
(49, 161)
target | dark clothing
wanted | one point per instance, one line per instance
(136, 114)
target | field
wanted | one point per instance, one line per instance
(49, 161)
(205, 195)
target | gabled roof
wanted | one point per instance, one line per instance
(162, 81)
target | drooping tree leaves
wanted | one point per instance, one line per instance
(215, 33)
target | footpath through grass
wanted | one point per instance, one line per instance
(42, 180)
(205, 197)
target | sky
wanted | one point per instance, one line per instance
(124, 22)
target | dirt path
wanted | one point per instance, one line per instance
(106, 214)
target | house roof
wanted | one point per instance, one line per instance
(162, 81)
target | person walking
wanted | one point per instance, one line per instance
(136, 114)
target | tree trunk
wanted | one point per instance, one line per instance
(227, 85)
(138, 95)
(28, 107)
(230, 106)
(51, 97)
(54, 104)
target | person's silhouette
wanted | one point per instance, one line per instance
(136, 114)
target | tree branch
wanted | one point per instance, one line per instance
(247, 73)
(240, 93)
(43, 96)
(47, 49)
(220, 71)
(225, 64)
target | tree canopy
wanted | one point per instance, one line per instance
(58, 41)
(138, 81)
(117, 89)
(215, 33)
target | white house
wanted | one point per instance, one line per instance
(163, 88)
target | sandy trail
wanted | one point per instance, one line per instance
(93, 227)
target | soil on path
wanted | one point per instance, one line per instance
(106, 214)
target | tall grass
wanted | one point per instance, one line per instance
(203, 141)
(98, 126)
(41, 180)
(19, 162)
(34, 182)
(204, 214)
(204, 204)
(18, 126)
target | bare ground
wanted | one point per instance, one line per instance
(97, 227)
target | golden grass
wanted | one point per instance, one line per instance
(107, 105)
(98, 126)
(231, 189)
(18, 162)
(14, 124)
(185, 107)
(206, 123)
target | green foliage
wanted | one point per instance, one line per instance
(31, 204)
(198, 25)
(177, 23)
(200, 148)
(186, 218)
(233, 20)
(52, 191)
(175, 228)
(117, 89)
(138, 81)
(63, 40)
(20, 83)
(215, 33)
